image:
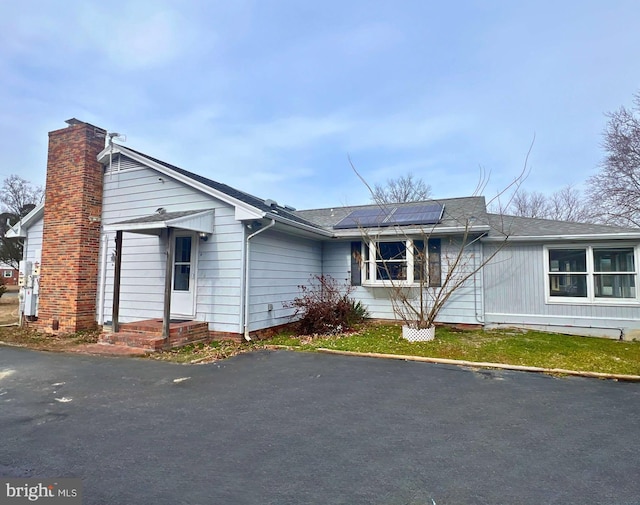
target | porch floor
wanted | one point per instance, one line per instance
(147, 334)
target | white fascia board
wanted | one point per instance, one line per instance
(567, 238)
(16, 231)
(394, 231)
(19, 230)
(117, 149)
(202, 222)
(243, 214)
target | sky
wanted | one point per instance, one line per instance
(274, 97)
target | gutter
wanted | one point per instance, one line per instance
(553, 238)
(393, 231)
(301, 226)
(247, 277)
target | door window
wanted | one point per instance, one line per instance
(182, 264)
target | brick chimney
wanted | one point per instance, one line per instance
(71, 236)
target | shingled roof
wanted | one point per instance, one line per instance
(456, 212)
(254, 201)
(529, 227)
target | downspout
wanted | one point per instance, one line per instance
(21, 289)
(479, 314)
(247, 277)
(102, 286)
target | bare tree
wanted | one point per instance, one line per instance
(615, 190)
(405, 188)
(423, 276)
(566, 204)
(529, 204)
(569, 204)
(18, 196)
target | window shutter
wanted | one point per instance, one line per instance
(435, 269)
(356, 263)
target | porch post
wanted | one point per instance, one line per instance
(168, 274)
(116, 283)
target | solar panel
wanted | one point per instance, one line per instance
(364, 218)
(416, 214)
(392, 216)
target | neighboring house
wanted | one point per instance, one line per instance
(8, 274)
(124, 237)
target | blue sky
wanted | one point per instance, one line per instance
(272, 96)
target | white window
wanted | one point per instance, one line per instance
(404, 261)
(591, 274)
(7, 274)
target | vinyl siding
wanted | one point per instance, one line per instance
(515, 294)
(279, 264)
(136, 191)
(33, 249)
(460, 308)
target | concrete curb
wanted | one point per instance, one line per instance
(482, 364)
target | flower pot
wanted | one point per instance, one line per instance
(418, 334)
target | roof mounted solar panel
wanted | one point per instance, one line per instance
(416, 214)
(364, 218)
(392, 216)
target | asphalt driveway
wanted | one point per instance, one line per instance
(291, 428)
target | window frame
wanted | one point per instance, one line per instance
(591, 274)
(370, 263)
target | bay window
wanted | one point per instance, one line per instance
(405, 261)
(591, 273)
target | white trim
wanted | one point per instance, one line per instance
(243, 210)
(117, 149)
(590, 299)
(554, 238)
(193, 274)
(19, 230)
(371, 264)
(394, 231)
(183, 222)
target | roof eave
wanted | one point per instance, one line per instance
(301, 226)
(19, 230)
(565, 238)
(117, 149)
(395, 231)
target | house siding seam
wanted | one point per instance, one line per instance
(71, 229)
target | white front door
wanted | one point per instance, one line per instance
(183, 287)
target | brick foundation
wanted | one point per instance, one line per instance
(71, 236)
(255, 335)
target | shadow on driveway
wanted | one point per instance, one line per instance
(277, 427)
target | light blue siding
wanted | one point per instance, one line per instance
(136, 191)
(33, 246)
(462, 307)
(515, 295)
(279, 264)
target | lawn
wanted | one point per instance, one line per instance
(526, 348)
(513, 347)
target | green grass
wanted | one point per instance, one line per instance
(529, 348)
